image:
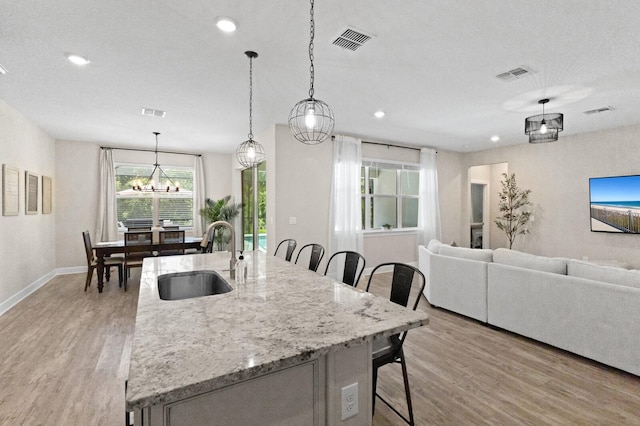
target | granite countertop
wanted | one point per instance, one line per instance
(283, 315)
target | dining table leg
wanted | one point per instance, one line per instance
(100, 270)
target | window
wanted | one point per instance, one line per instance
(144, 208)
(389, 195)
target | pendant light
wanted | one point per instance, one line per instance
(150, 184)
(311, 120)
(250, 153)
(545, 127)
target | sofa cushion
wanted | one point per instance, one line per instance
(434, 246)
(556, 265)
(481, 255)
(607, 274)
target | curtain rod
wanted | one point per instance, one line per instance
(389, 145)
(151, 150)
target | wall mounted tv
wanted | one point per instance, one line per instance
(615, 204)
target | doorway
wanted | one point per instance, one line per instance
(484, 183)
(254, 207)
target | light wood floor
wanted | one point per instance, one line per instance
(64, 358)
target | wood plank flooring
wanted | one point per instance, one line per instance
(64, 356)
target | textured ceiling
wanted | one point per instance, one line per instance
(431, 67)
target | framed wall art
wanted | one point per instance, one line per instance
(46, 195)
(10, 190)
(31, 193)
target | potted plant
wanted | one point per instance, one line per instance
(220, 210)
(514, 208)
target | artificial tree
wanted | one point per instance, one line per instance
(514, 208)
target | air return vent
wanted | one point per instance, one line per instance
(514, 74)
(351, 39)
(153, 112)
(599, 110)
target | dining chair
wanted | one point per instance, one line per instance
(92, 263)
(352, 264)
(171, 243)
(317, 252)
(291, 246)
(406, 281)
(137, 246)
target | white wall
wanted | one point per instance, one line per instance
(77, 170)
(558, 175)
(27, 242)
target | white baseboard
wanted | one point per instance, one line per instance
(25, 292)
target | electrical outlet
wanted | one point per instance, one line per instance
(349, 401)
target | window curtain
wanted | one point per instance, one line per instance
(198, 196)
(345, 222)
(429, 206)
(107, 228)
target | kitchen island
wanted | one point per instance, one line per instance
(278, 349)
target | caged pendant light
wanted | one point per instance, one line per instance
(250, 153)
(545, 127)
(311, 120)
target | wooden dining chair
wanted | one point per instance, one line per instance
(171, 243)
(137, 246)
(92, 263)
(406, 282)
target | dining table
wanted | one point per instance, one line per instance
(108, 248)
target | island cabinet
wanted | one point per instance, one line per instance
(287, 347)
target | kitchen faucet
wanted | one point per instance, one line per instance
(209, 234)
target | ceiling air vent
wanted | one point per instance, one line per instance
(153, 112)
(599, 110)
(351, 39)
(514, 74)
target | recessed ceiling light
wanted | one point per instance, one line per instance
(226, 24)
(495, 138)
(3, 70)
(379, 114)
(77, 59)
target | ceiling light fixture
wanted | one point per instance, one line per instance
(3, 70)
(154, 181)
(545, 127)
(311, 120)
(250, 153)
(379, 114)
(226, 24)
(495, 138)
(77, 59)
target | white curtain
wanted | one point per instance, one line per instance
(107, 228)
(198, 196)
(429, 207)
(345, 222)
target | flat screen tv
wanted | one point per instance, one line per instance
(615, 204)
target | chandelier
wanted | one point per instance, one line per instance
(545, 127)
(311, 120)
(150, 184)
(250, 153)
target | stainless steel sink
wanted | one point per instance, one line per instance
(185, 285)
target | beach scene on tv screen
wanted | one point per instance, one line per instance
(615, 204)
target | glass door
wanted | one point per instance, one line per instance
(254, 207)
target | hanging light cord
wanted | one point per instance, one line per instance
(250, 98)
(312, 35)
(156, 133)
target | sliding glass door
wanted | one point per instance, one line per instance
(254, 207)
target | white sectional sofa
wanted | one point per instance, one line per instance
(584, 308)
